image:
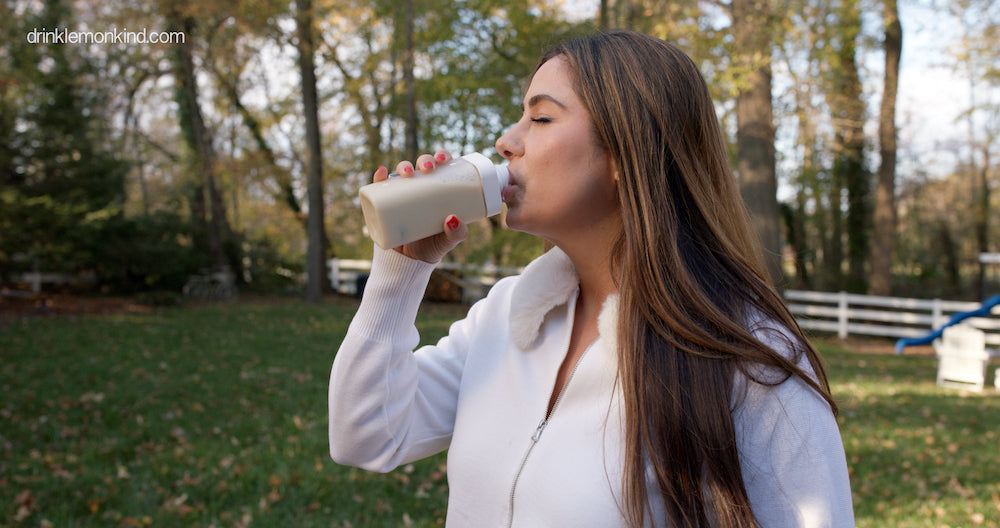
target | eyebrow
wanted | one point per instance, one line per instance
(537, 99)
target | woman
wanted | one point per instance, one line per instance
(641, 373)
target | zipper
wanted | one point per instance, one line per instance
(537, 435)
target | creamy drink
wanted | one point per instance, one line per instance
(402, 210)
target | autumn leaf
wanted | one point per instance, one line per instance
(25, 503)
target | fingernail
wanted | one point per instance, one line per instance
(453, 222)
(428, 165)
(440, 157)
(382, 167)
(407, 169)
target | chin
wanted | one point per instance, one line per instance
(510, 217)
(525, 228)
(517, 220)
(514, 225)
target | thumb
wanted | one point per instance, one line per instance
(455, 230)
(454, 233)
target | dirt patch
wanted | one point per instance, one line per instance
(872, 345)
(26, 304)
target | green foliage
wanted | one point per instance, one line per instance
(81, 124)
(481, 69)
(34, 229)
(143, 253)
(57, 167)
(268, 270)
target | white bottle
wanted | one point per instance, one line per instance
(402, 210)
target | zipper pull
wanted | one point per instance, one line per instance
(538, 430)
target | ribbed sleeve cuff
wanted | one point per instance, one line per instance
(392, 296)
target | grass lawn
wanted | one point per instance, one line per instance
(215, 415)
(919, 455)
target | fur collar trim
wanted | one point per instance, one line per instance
(547, 282)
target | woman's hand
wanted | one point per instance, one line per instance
(432, 248)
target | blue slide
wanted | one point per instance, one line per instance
(982, 311)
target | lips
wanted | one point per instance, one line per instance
(510, 189)
(507, 192)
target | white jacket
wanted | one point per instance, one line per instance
(482, 393)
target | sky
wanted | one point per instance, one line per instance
(932, 94)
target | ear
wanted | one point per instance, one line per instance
(613, 169)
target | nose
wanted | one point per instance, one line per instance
(509, 145)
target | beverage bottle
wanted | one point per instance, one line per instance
(399, 210)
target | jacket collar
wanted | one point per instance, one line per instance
(546, 283)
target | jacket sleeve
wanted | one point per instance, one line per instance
(792, 456)
(388, 405)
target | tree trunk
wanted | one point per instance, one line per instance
(197, 138)
(948, 249)
(833, 240)
(755, 159)
(983, 218)
(795, 227)
(844, 95)
(884, 225)
(316, 232)
(409, 84)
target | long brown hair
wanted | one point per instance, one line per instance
(690, 280)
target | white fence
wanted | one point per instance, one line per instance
(344, 274)
(841, 313)
(476, 280)
(35, 279)
(849, 314)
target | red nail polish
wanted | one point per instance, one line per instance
(440, 157)
(428, 165)
(381, 167)
(407, 169)
(453, 222)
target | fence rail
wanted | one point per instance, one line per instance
(849, 314)
(348, 276)
(842, 313)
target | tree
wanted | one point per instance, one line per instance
(884, 224)
(409, 82)
(316, 252)
(755, 158)
(978, 59)
(805, 216)
(59, 178)
(211, 227)
(473, 60)
(844, 98)
(232, 49)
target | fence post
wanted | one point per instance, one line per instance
(333, 265)
(842, 315)
(936, 314)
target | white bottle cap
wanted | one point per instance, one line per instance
(494, 179)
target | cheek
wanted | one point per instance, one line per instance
(598, 191)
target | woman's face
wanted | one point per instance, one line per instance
(562, 182)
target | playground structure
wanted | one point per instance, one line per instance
(963, 357)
